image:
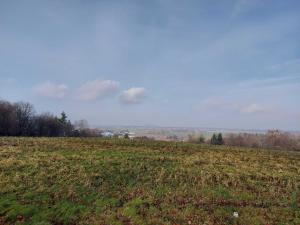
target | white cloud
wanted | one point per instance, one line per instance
(252, 108)
(133, 95)
(97, 89)
(51, 90)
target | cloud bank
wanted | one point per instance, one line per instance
(92, 90)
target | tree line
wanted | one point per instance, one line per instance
(21, 119)
(272, 139)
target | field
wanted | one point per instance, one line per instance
(98, 181)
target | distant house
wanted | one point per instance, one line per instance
(120, 134)
(124, 133)
(131, 135)
(107, 134)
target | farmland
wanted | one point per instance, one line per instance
(111, 181)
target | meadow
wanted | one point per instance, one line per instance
(115, 181)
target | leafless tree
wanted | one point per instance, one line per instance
(24, 116)
(8, 123)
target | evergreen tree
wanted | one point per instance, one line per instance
(63, 118)
(217, 139)
(220, 139)
(213, 139)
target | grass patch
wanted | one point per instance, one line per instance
(110, 181)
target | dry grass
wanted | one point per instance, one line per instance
(98, 181)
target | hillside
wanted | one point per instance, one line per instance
(107, 181)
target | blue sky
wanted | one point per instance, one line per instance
(229, 63)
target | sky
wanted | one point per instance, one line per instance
(196, 63)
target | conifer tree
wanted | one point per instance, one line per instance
(63, 118)
(213, 139)
(220, 139)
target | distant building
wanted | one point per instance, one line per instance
(131, 135)
(107, 134)
(117, 134)
(124, 133)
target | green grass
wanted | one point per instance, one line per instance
(99, 181)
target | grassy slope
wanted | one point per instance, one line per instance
(96, 181)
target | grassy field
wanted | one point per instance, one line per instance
(96, 181)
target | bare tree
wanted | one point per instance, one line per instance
(47, 125)
(19, 119)
(272, 139)
(81, 124)
(24, 118)
(8, 122)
